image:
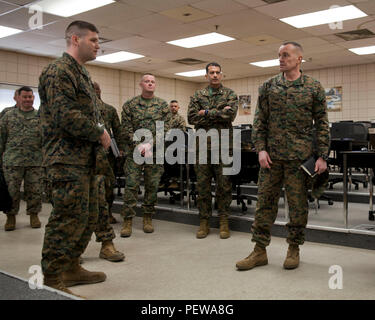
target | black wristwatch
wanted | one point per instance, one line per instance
(324, 157)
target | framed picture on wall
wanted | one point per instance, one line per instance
(244, 104)
(334, 98)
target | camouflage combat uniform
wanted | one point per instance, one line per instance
(112, 124)
(178, 122)
(70, 122)
(213, 100)
(20, 147)
(2, 113)
(283, 127)
(140, 113)
(5, 110)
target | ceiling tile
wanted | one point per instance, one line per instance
(159, 5)
(252, 3)
(135, 42)
(22, 19)
(144, 24)
(367, 6)
(112, 14)
(249, 23)
(20, 2)
(219, 6)
(230, 49)
(6, 7)
(186, 14)
(348, 25)
(261, 40)
(175, 32)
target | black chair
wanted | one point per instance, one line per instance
(348, 136)
(172, 178)
(249, 169)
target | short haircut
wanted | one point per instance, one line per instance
(79, 28)
(147, 74)
(212, 64)
(295, 44)
(24, 88)
(174, 101)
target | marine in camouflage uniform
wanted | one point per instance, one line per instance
(112, 124)
(286, 113)
(214, 107)
(5, 110)
(73, 146)
(141, 112)
(20, 147)
(177, 121)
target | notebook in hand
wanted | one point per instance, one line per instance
(309, 167)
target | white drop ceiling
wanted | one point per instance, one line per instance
(144, 27)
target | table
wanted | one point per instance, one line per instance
(360, 159)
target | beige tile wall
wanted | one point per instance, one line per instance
(357, 81)
(117, 85)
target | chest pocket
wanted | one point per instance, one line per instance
(86, 97)
(32, 126)
(276, 101)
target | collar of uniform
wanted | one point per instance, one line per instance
(142, 101)
(281, 80)
(81, 69)
(206, 91)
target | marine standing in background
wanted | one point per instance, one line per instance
(214, 107)
(177, 121)
(72, 136)
(112, 124)
(20, 148)
(16, 99)
(142, 112)
(289, 106)
(5, 110)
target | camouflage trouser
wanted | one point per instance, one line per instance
(223, 193)
(32, 188)
(133, 173)
(110, 185)
(74, 196)
(269, 188)
(104, 230)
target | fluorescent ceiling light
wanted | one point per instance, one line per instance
(201, 40)
(69, 8)
(325, 16)
(363, 50)
(268, 63)
(195, 73)
(118, 57)
(6, 31)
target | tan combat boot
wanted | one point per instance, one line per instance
(292, 257)
(34, 221)
(10, 224)
(224, 228)
(54, 281)
(77, 275)
(204, 229)
(257, 258)
(126, 230)
(109, 252)
(147, 223)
